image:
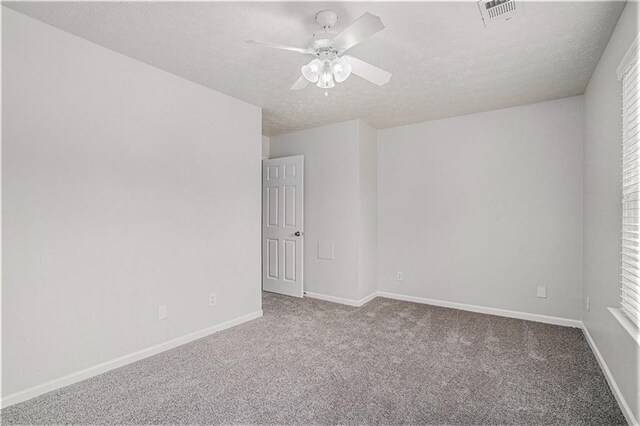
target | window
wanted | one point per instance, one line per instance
(629, 73)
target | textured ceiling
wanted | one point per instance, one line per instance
(444, 62)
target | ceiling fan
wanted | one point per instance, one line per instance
(330, 65)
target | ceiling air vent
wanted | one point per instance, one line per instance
(496, 10)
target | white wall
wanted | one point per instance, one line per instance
(602, 211)
(265, 147)
(124, 187)
(368, 210)
(339, 206)
(481, 209)
(330, 203)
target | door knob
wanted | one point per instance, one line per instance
(297, 234)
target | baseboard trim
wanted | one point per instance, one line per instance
(485, 310)
(341, 300)
(454, 305)
(628, 414)
(121, 361)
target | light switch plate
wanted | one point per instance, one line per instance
(542, 291)
(325, 249)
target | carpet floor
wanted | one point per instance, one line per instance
(312, 362)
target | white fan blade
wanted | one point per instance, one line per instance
(283, 47)
(367, 71)
(300, 84)
(364, 27)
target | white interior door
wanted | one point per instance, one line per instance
(283, 225)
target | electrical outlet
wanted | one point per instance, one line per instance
(542, 291)
(162, 312)
(588, 304)
(398, 276)
(212, 299)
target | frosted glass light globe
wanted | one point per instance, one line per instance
(311, 71)
(326, 78)
(341, 69)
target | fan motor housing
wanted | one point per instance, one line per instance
(320, 41)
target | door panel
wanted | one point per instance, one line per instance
(290, 206)
(272, 259)
(282, 225)
(289, 260)
(272, 209)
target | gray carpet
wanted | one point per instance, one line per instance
(314, 362)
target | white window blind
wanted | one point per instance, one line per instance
(629, 71)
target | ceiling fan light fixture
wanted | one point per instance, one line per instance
(311, 71)
(341, 69)
(328, 68)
